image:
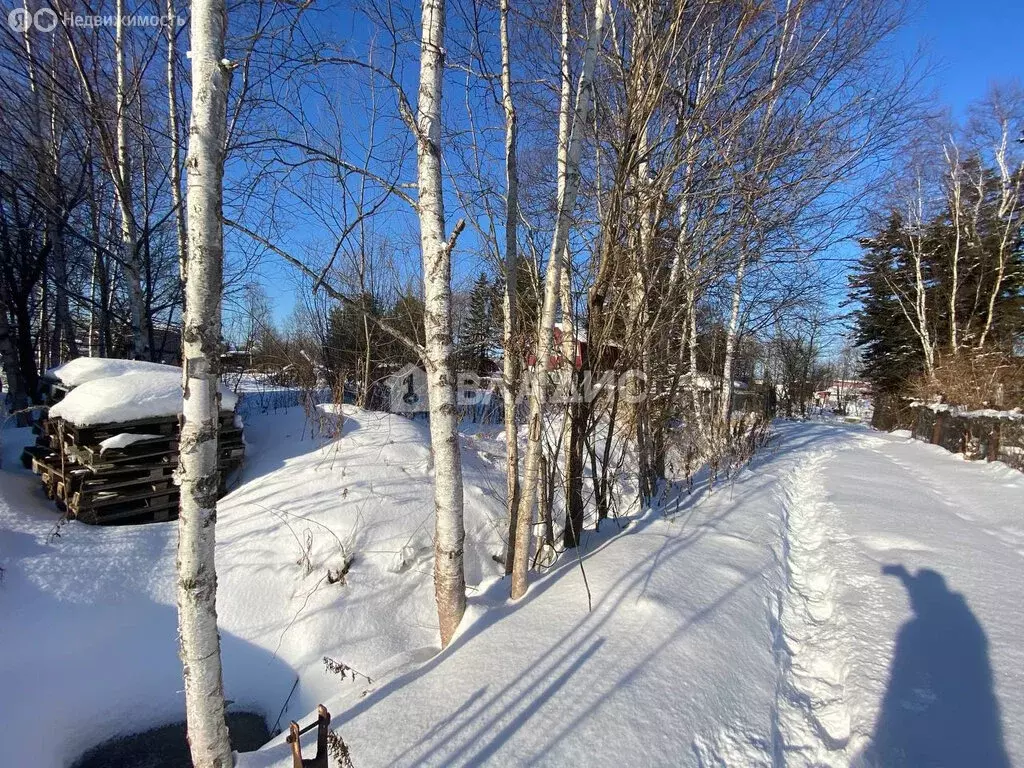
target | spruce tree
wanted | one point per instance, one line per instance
(478, 332)
(891, 353)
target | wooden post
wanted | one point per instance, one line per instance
(293, 740)
(937, 428)
(993, 442)
(323, 722)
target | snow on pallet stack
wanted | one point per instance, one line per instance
(108, 449)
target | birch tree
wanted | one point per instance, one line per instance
(914, 304)
(172, 125)
(436, 353)
(123, 184)
(1011, 181)
(951, 152)
(510, 361)
(436, 249)
(116, 154)
(199, 475)
(545, 331)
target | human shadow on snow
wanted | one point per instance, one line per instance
(939, 707)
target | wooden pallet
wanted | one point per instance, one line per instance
(155, 509)
(95, 433)
(127, 485)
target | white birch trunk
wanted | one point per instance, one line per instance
(571, 441)
(956, 203)
(732, 333)
(691, 324)
(511, 364)
(569, 329)
(638, 406)
(198, 472)
(92, 343)
(545, 335)
(920, 291)
(449, 527)
(65, 343)
(1009, 201)
(97, 296)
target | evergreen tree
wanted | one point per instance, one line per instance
(346, 336)
(891, 352)
(478, 332)
(884, 286)
(406, 316)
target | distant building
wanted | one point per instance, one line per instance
(610, 350)
(842, 391)
(166, 346)
(236, 360)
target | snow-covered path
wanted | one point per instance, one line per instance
(938, 526)
(878, 535)
(674, 664)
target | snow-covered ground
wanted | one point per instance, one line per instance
(790, 618)
(88, 646)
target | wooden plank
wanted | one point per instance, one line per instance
(47, 466)
(134, 484)
(104, 497)
(98, 499)
(107, 481)
(166, 460)
(41, 452)
(152, 514)
(94, 433)
(99, 462)
(163, 446)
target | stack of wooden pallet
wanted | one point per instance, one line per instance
(120, 472)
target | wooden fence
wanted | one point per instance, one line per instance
(989, 435)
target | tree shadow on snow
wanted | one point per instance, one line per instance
(939, 708)
(479, 726)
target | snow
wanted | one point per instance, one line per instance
(83, 369)
(95, 608)
(128, 397)
(124, 439)
(751, 627)
(791, 617)
(989, 413)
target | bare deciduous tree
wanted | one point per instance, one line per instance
(199, 473)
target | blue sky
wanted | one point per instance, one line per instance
(968, 43)
(972, 43)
